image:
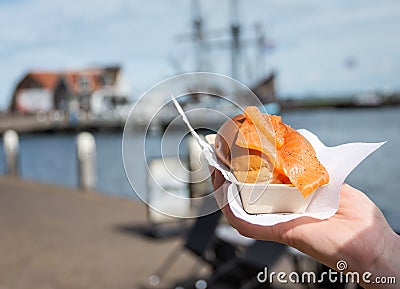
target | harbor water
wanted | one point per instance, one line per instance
(51, 158)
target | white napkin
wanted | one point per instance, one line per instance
(339, 161)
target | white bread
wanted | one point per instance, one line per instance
(248, 166)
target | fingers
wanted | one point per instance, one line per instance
(212, 173)
(244, 228)
(268, 233)
(220, 195)
(217, 178)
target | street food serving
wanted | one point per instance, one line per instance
(260, 148)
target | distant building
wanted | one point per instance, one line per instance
(94, 90)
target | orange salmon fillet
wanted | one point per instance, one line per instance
(300, 164)
(295, 162)
(251, 138)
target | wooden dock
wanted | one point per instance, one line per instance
(37, 124)
(55, 237)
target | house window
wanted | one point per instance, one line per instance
(101, 80)
(83, 83)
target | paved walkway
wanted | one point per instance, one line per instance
(54, 237)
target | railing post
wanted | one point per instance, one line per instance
(11, 152)
(86, 154)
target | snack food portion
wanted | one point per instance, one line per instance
(260, 147)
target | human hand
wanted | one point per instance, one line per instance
(358, 234)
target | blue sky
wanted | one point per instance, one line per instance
(313, 39)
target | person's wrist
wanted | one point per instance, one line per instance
(386, 264)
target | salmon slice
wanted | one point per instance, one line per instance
(280, 129)
(278, 178)
(300, 164)
(250, 138)
(262, 124)
(294, 158)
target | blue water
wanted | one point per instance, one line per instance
(51, 157)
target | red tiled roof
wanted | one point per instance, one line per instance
(49, 79)
(46, 79)
(92, 76)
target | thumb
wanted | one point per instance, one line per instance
(220, 195)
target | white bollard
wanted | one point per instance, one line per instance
(86, 154)
(11, 152)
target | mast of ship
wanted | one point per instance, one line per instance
(203, 41)
(259, 66)
(198, 36)
(235, 44)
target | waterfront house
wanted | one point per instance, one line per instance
(94, 90)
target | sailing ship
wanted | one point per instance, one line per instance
(262, 85)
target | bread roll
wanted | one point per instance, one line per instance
(248, 166)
